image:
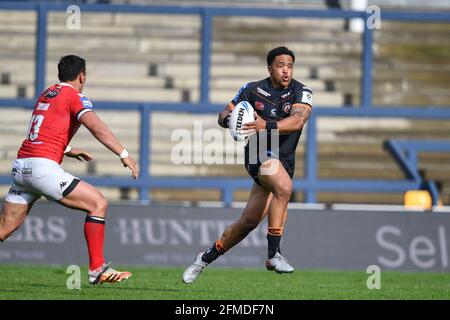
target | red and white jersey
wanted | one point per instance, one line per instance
(54, 121)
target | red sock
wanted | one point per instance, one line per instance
(94, 231)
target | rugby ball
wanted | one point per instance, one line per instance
(241, 114)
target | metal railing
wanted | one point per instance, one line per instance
(406, 153)
(310, 184)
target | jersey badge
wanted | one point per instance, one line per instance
(287, 107)
(259, 105)
(306, 97)
(86, 102)
(51, 93)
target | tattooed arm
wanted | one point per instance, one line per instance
(299, 115)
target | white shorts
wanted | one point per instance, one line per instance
(36, 177)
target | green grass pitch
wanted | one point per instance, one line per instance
(150, 283)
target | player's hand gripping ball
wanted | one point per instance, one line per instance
(241, 114)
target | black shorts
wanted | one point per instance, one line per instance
(253, 169)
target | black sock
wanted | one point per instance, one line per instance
(273, 245)
(213, 253)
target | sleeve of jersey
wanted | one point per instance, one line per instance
(242, 95)
(304, 95)
(80, 105)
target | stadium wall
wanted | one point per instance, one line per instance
(173, 235)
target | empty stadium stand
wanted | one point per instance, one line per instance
(156, 58)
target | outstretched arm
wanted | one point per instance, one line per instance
(104, 134)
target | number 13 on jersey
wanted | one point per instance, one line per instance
(35, 125)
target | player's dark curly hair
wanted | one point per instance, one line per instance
(278, 52)
(69, 67)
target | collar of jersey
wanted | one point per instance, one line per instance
(65, 84)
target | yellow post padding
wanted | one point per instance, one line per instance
(418, 199)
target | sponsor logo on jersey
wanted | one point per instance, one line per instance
(86, 102)
(51, 93)
(287, 107)
(307, 97)
(43, 106)
(264, 93)
(285, 95)
(259, 105)
(273, 112)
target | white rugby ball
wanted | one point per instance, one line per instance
(241, 114)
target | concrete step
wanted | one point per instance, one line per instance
(130, 44)
(158, 20)
(26, 60)
(126, 43)
(408, 27)
(15, 16)
(359, 197)
(17, 27)
(253, 72)
(134, 94)
(131, 20)
(155, 82)
(100, 69)
(142, 94)
(14, 91)
(299, 48)
(185, 195)
(87, 19)
(261, 23)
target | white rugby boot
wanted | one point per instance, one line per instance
(279, 264)
(192, 273)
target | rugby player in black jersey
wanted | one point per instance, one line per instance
(282, 107)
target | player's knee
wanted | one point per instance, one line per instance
(101, 206)
(283, 191)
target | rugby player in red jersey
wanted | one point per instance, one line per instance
(57, 115)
